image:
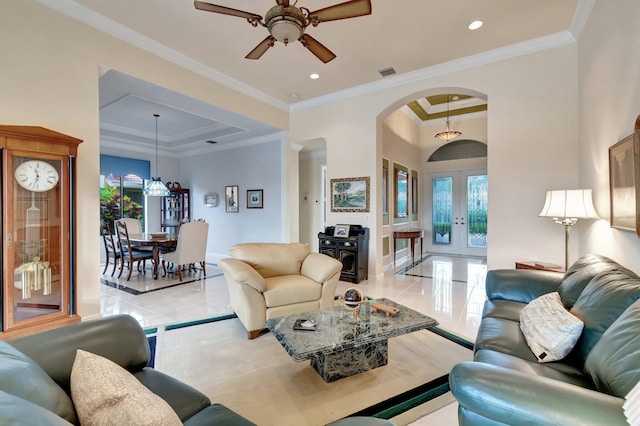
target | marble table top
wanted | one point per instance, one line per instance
(336, 331)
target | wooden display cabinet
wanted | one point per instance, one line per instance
(38, 231)
(175, 208)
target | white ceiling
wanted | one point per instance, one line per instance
(409, 35)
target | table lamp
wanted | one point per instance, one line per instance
(566, 207)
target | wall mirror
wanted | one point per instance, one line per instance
(401, 178)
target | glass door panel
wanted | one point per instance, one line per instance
(442, 210)
(457, 212)
(477, 202)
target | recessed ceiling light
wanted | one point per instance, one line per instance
(314, 76)
(294, 96)
(475, 25)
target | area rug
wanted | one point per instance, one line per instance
(142, 281)
(258, 379)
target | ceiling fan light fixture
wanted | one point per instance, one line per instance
(286, 24)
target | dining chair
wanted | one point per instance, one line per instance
(111, 248)
(130, 254)
(190, 249)
(134, 226)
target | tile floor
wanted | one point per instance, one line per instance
(450, 289)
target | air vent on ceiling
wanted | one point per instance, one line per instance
(211, 142)
(387, 71)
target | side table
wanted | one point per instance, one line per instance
(411, 234)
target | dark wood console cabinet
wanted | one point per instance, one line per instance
(352, 251)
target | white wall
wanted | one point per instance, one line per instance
(251, 167)
(400, 145)
(311, 197)
(532, 136)
(609, 104)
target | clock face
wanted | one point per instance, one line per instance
(211, 199)
(36, 175)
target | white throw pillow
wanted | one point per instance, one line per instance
(106, 394)
(550, 330)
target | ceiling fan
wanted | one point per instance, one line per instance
(287, 23)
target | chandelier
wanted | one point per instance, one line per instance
(156, 188)
(448, 134)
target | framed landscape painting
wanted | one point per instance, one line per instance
(622, 185)
(350, 194)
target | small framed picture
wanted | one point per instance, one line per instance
(341, 231)
(231, 199)
(254, 199)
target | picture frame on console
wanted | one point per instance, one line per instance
(350, 194)
(623, 184)
(341, 231)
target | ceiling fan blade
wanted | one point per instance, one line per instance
(317, 48)
(350, 9)
(259, 50)
(200, 5)
(284, 3)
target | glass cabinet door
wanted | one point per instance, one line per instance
(35, 239)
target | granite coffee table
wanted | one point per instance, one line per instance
(340, 347)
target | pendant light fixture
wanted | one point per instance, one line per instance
(156, 188)
(448, 134)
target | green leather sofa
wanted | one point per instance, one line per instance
(506, 385)
(118, 338)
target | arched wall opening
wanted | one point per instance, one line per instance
(404, 146)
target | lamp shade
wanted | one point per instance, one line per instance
(156, 188)
(573, 203)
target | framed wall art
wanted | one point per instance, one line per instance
(350, 194)
(624, 182)
(254, 199)
(622, 185)
(231, 199)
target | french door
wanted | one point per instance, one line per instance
(456, 212)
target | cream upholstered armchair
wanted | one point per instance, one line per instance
(268, 280)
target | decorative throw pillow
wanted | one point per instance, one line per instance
(22, 377)
(550, 330)
(106, 394)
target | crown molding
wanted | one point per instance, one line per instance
(117, 30)
(491, 56)
(278, 136)
(580, 17)
(113, 28)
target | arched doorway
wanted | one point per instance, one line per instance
(411, 125)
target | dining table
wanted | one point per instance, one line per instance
(156, 242)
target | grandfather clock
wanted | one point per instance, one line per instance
(38, 230)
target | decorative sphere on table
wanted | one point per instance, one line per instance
(351, 300)
(352, 297)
